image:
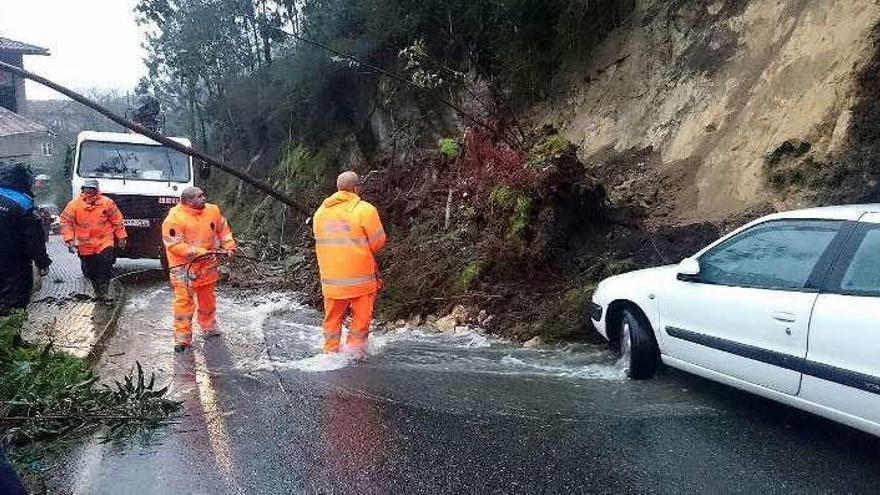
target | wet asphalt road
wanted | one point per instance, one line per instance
(428, 414)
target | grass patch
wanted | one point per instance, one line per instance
(789, 166)
(469, 274)
(567, 313)
(548, 149)
(616, 267)
(48, 398)
(449, 148)
(519, 209)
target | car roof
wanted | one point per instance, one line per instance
(840, 212)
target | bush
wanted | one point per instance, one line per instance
(469, 274)
(548, 149)
(519, 208)
(449, 148)
(48, 396)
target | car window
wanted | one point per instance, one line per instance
(863, 274)
(774, 255)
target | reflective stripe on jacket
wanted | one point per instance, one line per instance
(188, 233)
(92, 224)
(347, 233)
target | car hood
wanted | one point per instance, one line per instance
(646, 278)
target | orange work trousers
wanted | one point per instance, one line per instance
(359, 331)
(184, 304)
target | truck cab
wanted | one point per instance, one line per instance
(143, 177)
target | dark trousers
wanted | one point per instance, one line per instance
(16, 279)
(9, 482)
(98, 268)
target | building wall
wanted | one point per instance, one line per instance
(27, 148)
(10, 83)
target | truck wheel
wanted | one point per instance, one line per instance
(638, 348)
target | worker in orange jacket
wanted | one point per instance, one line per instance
(192, 229)
(348, 233)
(89, 225)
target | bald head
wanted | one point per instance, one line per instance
(193, 196)
(347, 181)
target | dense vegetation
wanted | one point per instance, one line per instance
(425, 99)
(230, 71)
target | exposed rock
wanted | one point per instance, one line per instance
(460, 314)
(248, 251)
(294, 260)
(728, 89)
(841, 131)
(534, 343)
(414, 321)
(481, 317)
(446, 324)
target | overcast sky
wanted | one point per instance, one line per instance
(94, 44)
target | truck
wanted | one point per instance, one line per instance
(143, 178)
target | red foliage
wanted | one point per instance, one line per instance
(488, 162)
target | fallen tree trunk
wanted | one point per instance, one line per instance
(159, 138)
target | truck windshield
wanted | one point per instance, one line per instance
(100, 159)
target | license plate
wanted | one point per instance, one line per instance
(134, 222)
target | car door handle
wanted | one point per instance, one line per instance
(783, 317)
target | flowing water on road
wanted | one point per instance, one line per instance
(468, 349)
(297, 337)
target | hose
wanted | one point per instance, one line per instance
(221, 257)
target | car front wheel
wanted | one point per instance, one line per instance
(638, 348)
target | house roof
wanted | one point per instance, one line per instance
(13, 123)
(7, 44)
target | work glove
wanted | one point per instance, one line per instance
(121, 243)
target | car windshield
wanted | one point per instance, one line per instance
(106, 160)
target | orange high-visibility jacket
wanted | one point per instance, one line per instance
(188, 233)
(91, 224)
(347, 233)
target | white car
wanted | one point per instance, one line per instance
(787, 307)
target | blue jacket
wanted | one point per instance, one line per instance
(21, 233)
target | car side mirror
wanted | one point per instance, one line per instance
(688, 269)
(204, 170)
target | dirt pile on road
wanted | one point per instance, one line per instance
(525, 243)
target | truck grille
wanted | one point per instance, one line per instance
(142, 207)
